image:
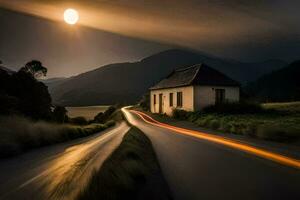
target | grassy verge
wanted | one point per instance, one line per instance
(288, 107)
(131, 172)
(18, 134)
(276, 122)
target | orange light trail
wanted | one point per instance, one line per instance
(225, 141)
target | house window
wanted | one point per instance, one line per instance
(179, 99)
(220, 96)
(171, 99)
(154, 99)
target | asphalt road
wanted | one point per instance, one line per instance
(198, 169)
(59, 171)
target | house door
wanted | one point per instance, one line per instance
(160, 103)
(220, 96)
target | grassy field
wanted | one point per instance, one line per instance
(131, 172)
(292, 107)
(277, 121)
(88, 112)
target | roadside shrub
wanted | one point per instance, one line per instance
(226, 127)
(103, 117)
(250, 130)
(79, 121)
(180, 114)
(117, 116)
(201, 122)
(236, 128)
(214, 124)
(234, 108)
(204, 121)
(193, 116)
(144, 103)
(59, 114)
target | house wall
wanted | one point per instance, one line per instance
(187, 99)
(193, 97)
(205, 95)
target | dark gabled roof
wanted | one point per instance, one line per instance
(199, 74)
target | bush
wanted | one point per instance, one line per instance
(250, 130)
(193, 116)
(214, 124)
(204, 121)
(180, 114)
(234, 108)
(226, 127)
(145, 102)
(59, 114)
(78, 121)
(117, 116)
(237, 128)
(103, 117)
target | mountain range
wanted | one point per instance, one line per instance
(127, 82)
(277, 86)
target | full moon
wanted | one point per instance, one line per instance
(71, 16)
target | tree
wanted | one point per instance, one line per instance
(79, 121)
(103, 117)
(35, 68)
(60, 114)
(145, 102)
(21, 93)
(35, 100)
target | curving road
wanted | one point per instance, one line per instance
(199, 168)
(59, 171)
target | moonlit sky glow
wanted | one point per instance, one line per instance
(240, 29)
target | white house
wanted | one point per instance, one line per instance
(192, 89)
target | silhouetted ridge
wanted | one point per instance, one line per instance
(127, 82)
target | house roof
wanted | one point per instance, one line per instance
(199, 74)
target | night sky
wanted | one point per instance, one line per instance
(128, 30)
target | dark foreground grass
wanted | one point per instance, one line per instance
(131, 172)
(18, 134)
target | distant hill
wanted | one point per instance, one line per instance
(53, 82)
(127, 82)
(277, 86)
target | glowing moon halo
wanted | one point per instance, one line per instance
(71, 16)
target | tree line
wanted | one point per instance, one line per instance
(22, 94)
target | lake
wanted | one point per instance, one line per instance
(89, 112)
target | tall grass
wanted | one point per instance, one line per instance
(287, 107)
(277, 122)
(131, 172)
(18, 134)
